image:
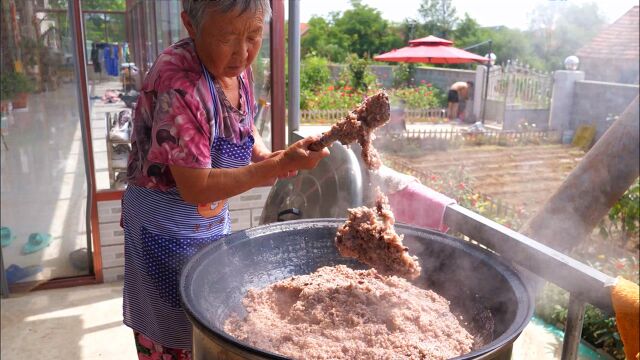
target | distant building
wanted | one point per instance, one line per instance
(613, 55)
(304, 27)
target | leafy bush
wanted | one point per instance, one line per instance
(598, 329)
(13, 83)
(332, 98)
(314, 73)
(623, 221)
(357, 75)
(419, 97)
(403, 74)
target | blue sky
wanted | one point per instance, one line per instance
(511, 13)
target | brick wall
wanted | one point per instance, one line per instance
(443, 78)
(111, 240)
(440, 77)
(594, 100)
(245, 210)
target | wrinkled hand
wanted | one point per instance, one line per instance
(286, 173)
(299, 157)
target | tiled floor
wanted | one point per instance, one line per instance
(82, 323)
(85, 323)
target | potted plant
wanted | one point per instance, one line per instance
(16, 87)
(7, 91)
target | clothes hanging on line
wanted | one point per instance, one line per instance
(111, 59)
(95, 59)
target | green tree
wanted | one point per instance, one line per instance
(559, 30)
(468, 32)
(367, 32)
(411, 29)
(360, 30)
(104, 27)
(513, 44)
(323, 40)
(439, 17)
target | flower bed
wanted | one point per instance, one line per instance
(333, 97)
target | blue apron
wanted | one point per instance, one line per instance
(162, 232)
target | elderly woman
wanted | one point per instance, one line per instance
(193, 146)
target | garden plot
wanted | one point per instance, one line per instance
(522, 176)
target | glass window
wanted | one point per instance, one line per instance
(111, 74)
(43, 179)
(262, 86)
(150, 27)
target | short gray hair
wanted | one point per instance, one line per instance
(196, 9)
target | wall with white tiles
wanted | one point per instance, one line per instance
(245, 210)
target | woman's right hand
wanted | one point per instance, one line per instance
(299, 157)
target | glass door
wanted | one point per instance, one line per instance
(43, 177)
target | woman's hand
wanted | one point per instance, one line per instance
(283, 175)
(299, 157)
(199, 186)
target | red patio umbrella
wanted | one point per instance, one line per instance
(431, 50)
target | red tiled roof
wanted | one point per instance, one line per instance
(303, 28)
(618, 41)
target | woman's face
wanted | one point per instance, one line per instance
(227, 43)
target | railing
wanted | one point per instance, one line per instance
(520, 85)
(584, 284)
(424, 114)
(334, 115)
(496, 137)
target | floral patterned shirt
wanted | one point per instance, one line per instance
(174, 117)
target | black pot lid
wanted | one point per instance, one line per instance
(326, 191)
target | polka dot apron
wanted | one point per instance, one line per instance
(162, 232)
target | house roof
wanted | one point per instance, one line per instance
(618, 40)
(304, 27)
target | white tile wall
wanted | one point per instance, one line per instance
(245, 211)
(111, 240)
(113, 274)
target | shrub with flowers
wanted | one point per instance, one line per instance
(318, 92)
(424, 96)
(332, 97)
(608, 251)
(622, 224)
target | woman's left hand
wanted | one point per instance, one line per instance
(287, 174)
(284, 175)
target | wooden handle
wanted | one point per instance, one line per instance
(322, 143)
(317, 146)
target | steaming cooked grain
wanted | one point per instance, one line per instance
(340, 313)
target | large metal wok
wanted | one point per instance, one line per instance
(480, 285)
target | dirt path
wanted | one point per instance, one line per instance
(521, 176)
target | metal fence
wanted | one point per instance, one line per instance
(488, 137)
(520, 85)
(334, 115)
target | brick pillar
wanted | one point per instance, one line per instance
(478, 90)
(562, 98)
